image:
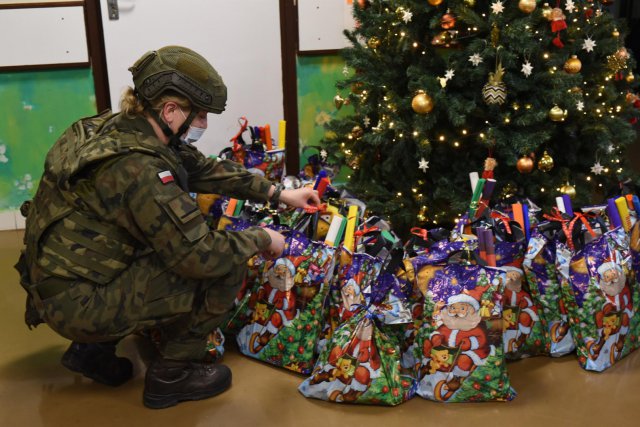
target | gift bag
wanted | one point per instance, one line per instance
(361, 363)
(354, 275)
(524, 331)
(460, 344)
(284, 309)
(241, 313)
(542, 276)
(258, 156)
(602, 298)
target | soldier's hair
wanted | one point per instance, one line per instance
(132, 106)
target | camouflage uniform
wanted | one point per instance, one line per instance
(113, 248)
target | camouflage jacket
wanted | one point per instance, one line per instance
(111, 193)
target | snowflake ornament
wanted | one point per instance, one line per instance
(588, 44)
(497, 7)
(597, 168)
(323, 155)
(611, 148)
(580, 106)
(423, 164)
(345, 71)
(569, 6)
(366, 121)
(475, 59)
(449, 74)
(527, 68)
(406, 16)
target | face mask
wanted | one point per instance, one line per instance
(193, 134)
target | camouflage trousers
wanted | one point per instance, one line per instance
(146, 295)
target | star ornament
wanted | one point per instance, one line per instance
(569, 6)
(580, 106)
(527, 68)
(597, 168)
(475, 59)
(406, 16)
(449, 74)
(423, 164)
(497, 7)
(588, 44)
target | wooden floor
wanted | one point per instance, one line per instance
(35, 390)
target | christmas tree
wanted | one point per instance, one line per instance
(438, 87)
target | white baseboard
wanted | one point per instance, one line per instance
(11, 220)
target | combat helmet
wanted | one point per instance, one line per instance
(181, 70)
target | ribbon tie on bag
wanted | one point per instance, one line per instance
(420, 232)
(237, 145)
(504, 219)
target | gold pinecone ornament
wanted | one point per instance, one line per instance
(545, 164)
(495, 91)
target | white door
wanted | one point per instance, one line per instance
(241, 39)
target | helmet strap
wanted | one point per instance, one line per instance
(174, 138)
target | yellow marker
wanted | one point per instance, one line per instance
(282, 132)
(623, 210)
(352, 219)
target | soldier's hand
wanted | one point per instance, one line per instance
(303, 197)
(274, 250)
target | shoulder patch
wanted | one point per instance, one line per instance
(165, 176)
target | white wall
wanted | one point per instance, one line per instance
(241, 39)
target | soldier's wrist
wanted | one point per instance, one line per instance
(275, 196)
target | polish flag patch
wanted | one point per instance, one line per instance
(165, 176)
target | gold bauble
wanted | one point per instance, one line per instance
(338, 101)
(573, 65)
(615, 33)
(569, 190)
(422, 103)
(556, 114)
(546, 11)
(545, 164)
(470, 3)
(435, 2)
(357, 131)
(373, 42)
(527, 6)
(448, 21)
(630, 77)
(525, 164)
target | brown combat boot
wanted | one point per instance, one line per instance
(99, 362)
(169, 382)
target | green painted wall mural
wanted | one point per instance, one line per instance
(317, 77)
(36, 107)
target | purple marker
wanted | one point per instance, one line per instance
(568, 209)
(612, 213)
